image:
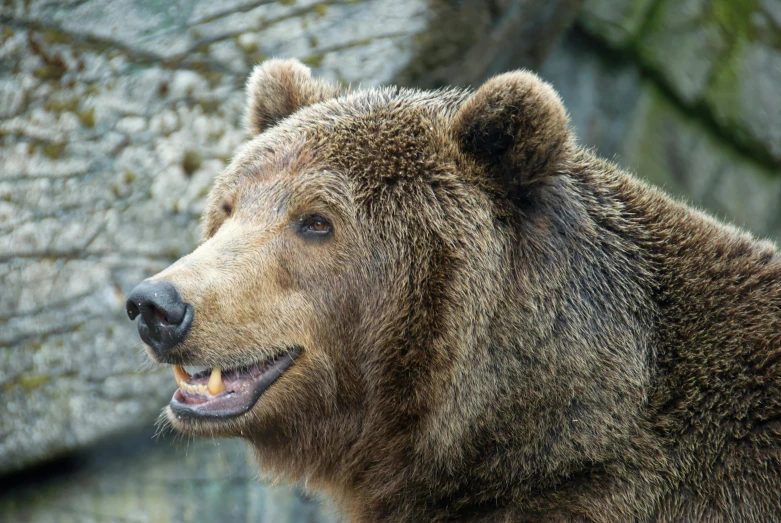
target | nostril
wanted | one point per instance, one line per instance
(153, 314)
(157, 302)
(160, 316)
(149, 313)
(132, 310)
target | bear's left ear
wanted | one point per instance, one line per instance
(277, 88)
(517, 125)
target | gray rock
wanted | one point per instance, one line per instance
(685, 157)
(114, 118)
(470, 43)
(631, 120)
(160, 481)
(600, 95)
(718, 58)
(684, 41)
(745, 97)
(617, 21)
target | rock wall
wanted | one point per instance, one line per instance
(685, 93)
(116, 115)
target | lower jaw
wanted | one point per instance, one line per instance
(231, 404)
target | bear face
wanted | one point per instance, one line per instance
(356, 273)
(436, 306)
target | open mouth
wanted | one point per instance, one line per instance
(219, 393)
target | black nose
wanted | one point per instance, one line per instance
(165, 318)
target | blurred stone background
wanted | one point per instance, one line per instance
(115, 115)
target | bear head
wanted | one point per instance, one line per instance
(394, 280)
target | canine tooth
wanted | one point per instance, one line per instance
(215, 382)
(181, 375)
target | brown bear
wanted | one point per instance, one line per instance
(437, 306)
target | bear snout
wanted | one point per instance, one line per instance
(165, 319)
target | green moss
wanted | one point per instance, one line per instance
(49, 72)
(320, 9)
(171, 252)
(648, 159)
(210, 106)
(32, 381)
(53, 36)
(312, 41)
(313, 60)
(723, 93)
(216, 134)
(203, 193)
(734, 17)
(213, 78)
(246, 47)
(191, 162)
(254, 58)
(87, 118)
(287, 2)
(59, 106)
(53, 150)
(130, 177)
(6, 33)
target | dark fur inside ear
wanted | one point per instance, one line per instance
(278, 88)
(516, 124)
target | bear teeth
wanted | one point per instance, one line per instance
(195, 389)
(181, 375)
(214, 387)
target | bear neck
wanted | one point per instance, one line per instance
(543, 388)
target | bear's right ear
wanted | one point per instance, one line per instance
(278, 88)
(516, 126)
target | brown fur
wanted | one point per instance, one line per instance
(502, 327)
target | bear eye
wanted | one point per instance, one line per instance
(227, 206)
(314, 227)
